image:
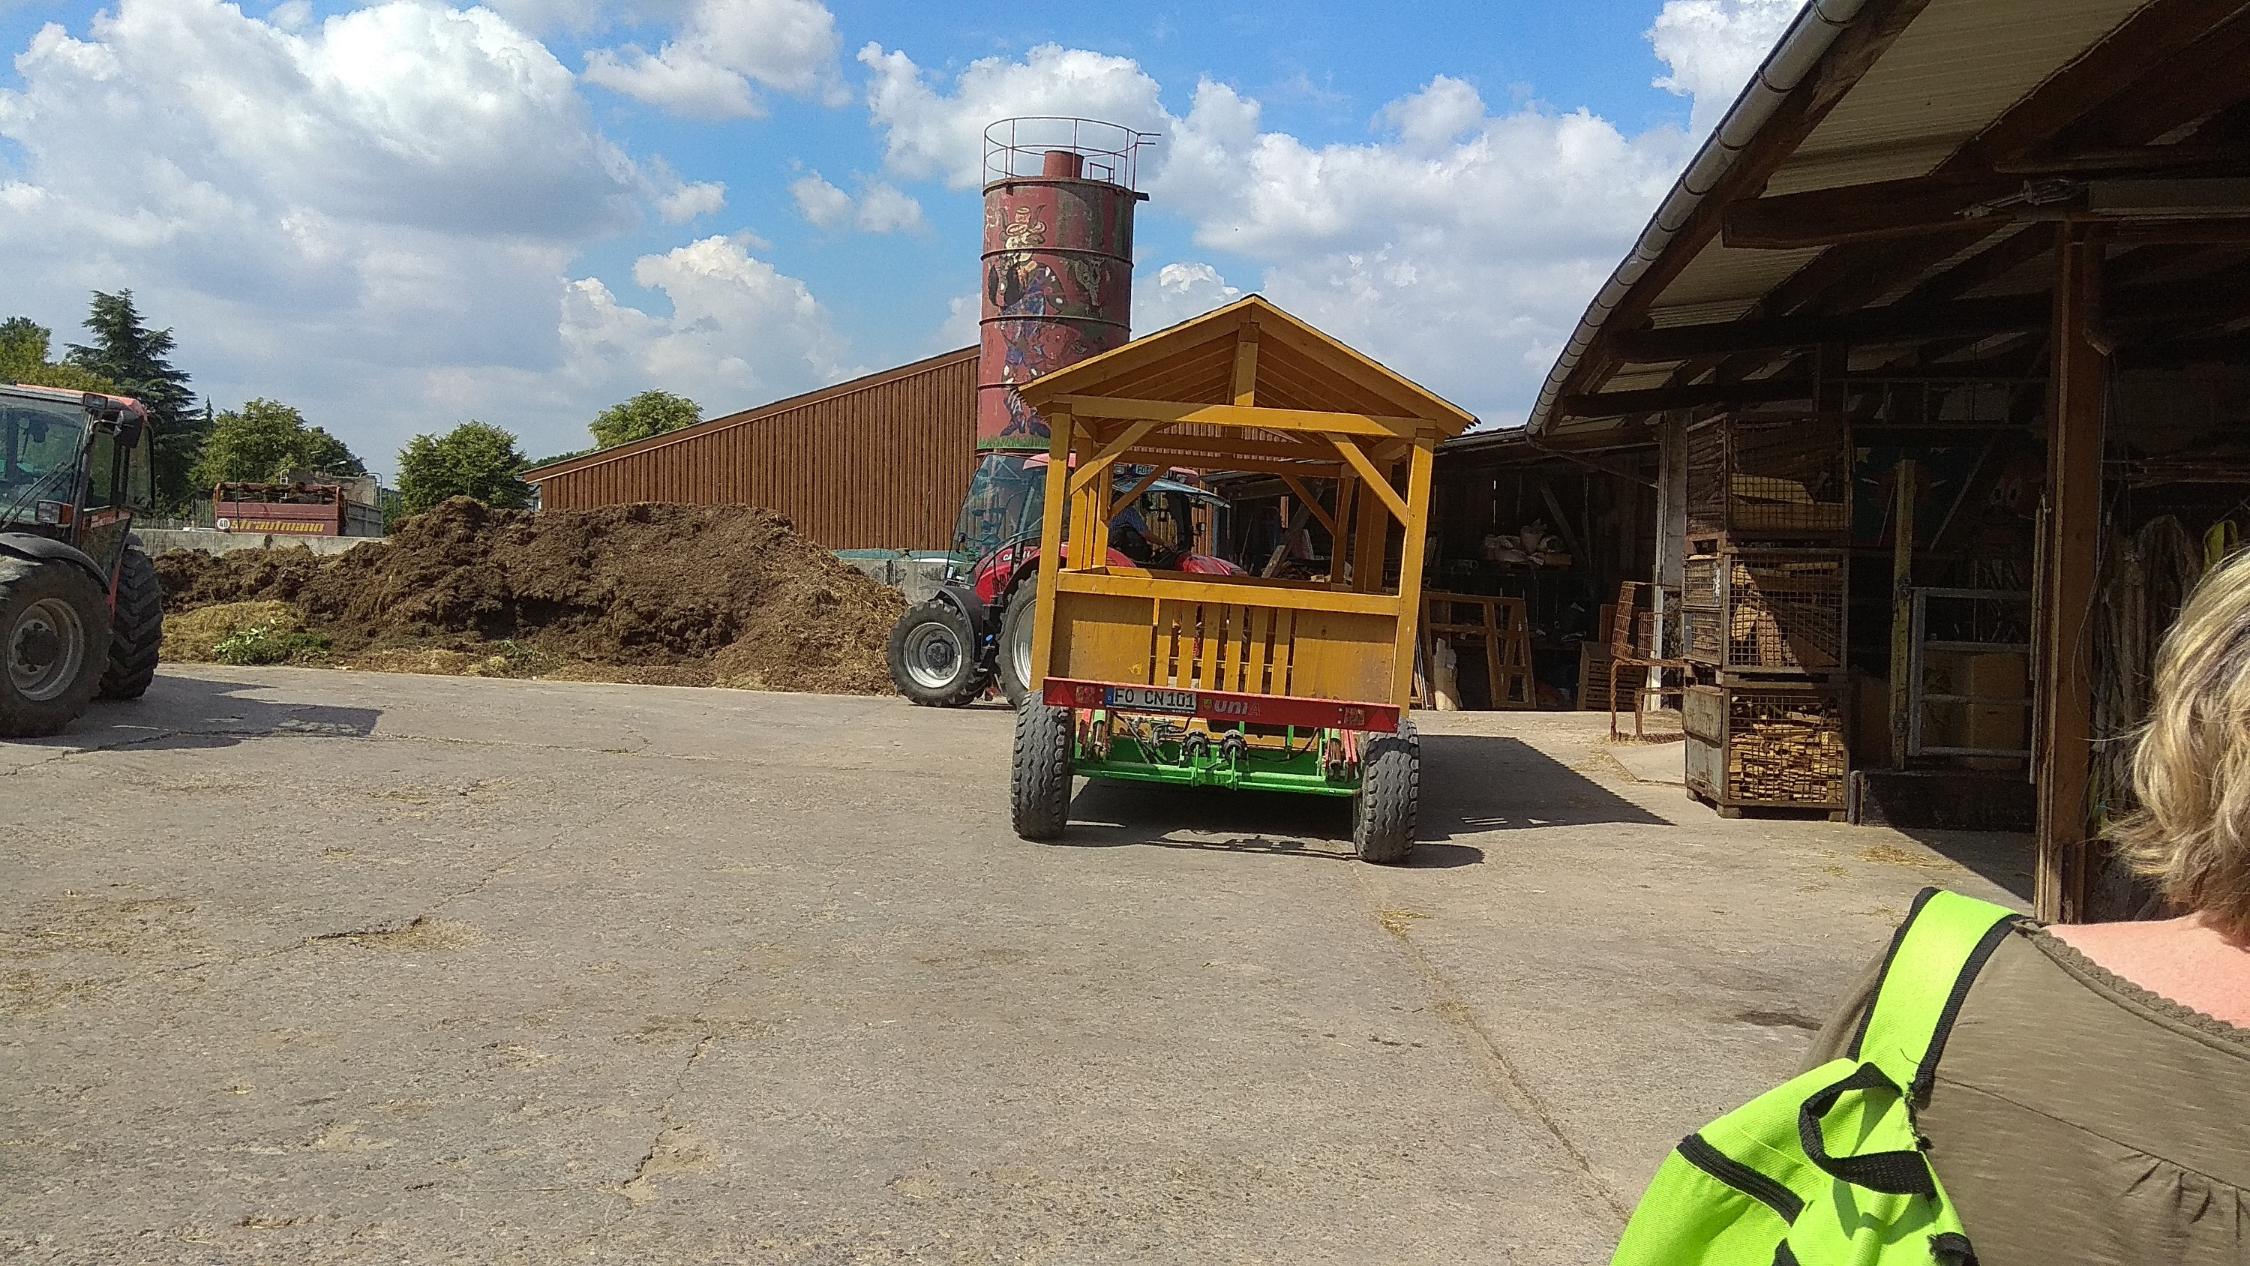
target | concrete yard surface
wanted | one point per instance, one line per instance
(314, 966)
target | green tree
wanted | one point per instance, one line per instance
(649, 413)
(139, 361)
(24, 352)
(474, 459)
(266, 439)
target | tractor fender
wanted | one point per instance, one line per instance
(40, 549)
(965, 599)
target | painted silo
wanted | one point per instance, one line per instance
(1057, 283)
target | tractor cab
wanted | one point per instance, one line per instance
(80, 610)
(71, 464)
(977, 629)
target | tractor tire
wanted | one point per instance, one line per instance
(934, 656)
(1018, 629)
(1039, 781)
(54, 641)
(1390, 793)
(136, 629)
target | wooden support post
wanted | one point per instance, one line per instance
(2068, 859)
(1372, 548)
(1909, 478)
(1418, 467)
(1340, 542)
(1671, 547)
(1051, 525)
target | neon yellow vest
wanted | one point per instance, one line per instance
(1828, 1169)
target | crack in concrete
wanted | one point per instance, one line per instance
(119, 745)
(634, 1189)
(1514, 1090)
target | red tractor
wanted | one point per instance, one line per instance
(81, 612)
(978, 627)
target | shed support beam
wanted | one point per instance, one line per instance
(2068, 859)
(1671, 545)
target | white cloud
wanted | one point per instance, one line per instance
(1437, 116)
(723, 52)
(1458, 247)
(929, 132)
(1457, 244)
(822, 204)
(1177, 292)
(880, 207)
(689, 201)
(1712, 46)
(739, 331)
(960, 327)
(886, 209)
(372, 216)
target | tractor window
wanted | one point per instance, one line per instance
(101, 470)
(140, 477)
(39, 453)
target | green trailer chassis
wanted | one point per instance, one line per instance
(1180, 762)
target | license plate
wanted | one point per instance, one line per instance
(1148, 699)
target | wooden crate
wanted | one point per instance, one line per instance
(1593, 680)
(1766, 745)
(1766, 477)
(1775, 612)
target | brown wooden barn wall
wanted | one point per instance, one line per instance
(879, 463)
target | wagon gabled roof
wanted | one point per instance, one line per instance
(1296, 367)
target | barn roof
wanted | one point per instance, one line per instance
(1890, 182)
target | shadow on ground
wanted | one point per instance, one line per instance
(2007, 860)
(1475, 783)
(184, 712)
(1471, 784)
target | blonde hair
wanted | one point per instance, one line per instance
(2191, 834)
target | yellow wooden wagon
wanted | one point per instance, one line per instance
(1241, 681)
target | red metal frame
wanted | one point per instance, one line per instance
(261, 510)
(1220, 705)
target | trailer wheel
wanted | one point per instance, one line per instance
(54, 644)
(1018, 628)
(1039, 782)
(1390, 792)
(933, 656)
(136, 629)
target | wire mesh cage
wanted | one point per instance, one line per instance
(1771, 611)
(1768, 745)
(1765, 477)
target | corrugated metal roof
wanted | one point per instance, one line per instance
(1958, 66)
(1956, 69)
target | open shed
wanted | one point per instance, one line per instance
(2003, 246)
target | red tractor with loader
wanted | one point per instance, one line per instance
(81, 612)
(976, 630)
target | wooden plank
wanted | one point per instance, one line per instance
(1409, 600)
(1117, 507)
(1909, 476)
(1377, 482)
(2067, 858)
(1310, 421)
(1244, 589)
(1310, 502)
(1060, 425)
(1098, 466)
(1246, 366)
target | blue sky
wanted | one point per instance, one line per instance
(397, 216)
